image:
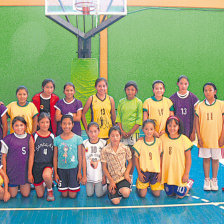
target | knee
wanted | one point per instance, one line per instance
(89, 193)
(156, 193)
(115, 201)
(72, 194)
(125, 192)
(47, 175)
(40, 195)
(25, 194)
(99, 194)
(141, 193)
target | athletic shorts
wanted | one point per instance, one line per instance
(38, 169)
(175, 190)
(210, 153)
(150, 180)
(131, 140)
(119, 185)
(68, 180)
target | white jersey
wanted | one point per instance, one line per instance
(93, 163)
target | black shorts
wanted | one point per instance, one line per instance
(121, 184)
(38, 169)
(68, 178)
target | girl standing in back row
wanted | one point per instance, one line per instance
(102, 108)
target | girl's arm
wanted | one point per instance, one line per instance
(84, 178)
(77, 116)
(171, 113)
(145, 115)
(55, 163)
(31, 159)
(200, 142)
(85, 109)
(4, 125)
(187, 166)
(58, 115)
(127, 171)
(6, 196)
(159, 177)
(34, 129)
(112, 185)
(132, 131)
(123, 133)
(221, 140)
(141, 176)
(4, 161)
(113, 113)
(79, 175)
(192, 137)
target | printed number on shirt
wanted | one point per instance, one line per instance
(160, 112)
(150, 156)
(184, 111)
(24, 150)
(209, 116)
(181, 189)
(93, 149)
(170, 150)
(45, 152)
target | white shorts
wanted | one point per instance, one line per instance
(131, 140)
(210, 153)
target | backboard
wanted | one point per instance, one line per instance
(85, 7)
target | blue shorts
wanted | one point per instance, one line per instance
(150, 177)
(13, 185)
(175, 190)
(68, 178)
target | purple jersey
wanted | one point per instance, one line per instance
(17, 158)
(3, 110)
(184, 109)
(44, 148)
(65, 108)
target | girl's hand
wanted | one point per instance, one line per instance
(30, 178)
(127, 177)
(192, 137)
(57, 179)
(104, 180)
(161, 133)
(141, 177)
(6, 196)
(79, 176)
(185, 178)
(159, 177)
(200, 142)
(112, 187)
(156, 134)
(84, 180)
(124, 134)
(221, 142)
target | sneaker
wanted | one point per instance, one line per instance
(207, 184)
(190, 183)
(50, 196)
(214, 184)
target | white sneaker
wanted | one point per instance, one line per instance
(214, 184)
(207, 184)
(190, 183)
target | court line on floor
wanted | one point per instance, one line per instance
(113, 207)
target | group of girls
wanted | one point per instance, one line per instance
(162, 157)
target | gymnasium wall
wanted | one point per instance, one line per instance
(163, 44)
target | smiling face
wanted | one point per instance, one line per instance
(101, 88)
(158, 90)
(173, 129)
(93, 134)
(19, 128)
(183, 86)
(67, 125)
(130, 92)
(22, 97)
(149, 130)
(44, 124)
(69, 92)
(210, 93)
(48, 89)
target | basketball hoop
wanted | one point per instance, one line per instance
(85, 6)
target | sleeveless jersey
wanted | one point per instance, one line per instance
(101, 113)
(44, 148)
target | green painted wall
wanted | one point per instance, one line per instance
(32, 48)
(163, 44)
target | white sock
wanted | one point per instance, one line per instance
(49, 189)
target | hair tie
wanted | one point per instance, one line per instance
(173, 117)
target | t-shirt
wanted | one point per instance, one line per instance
(101, 114)
(148, 154)
(93, 163)
(45, 107)
(129, 113)
(173, 166)
(211, 122)
(68, 151)
(158, 111)
(28, 112)
(17, 149)
(184, 108)
(116, 161)
(44, 148)
(66, 108)
(3, 110)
